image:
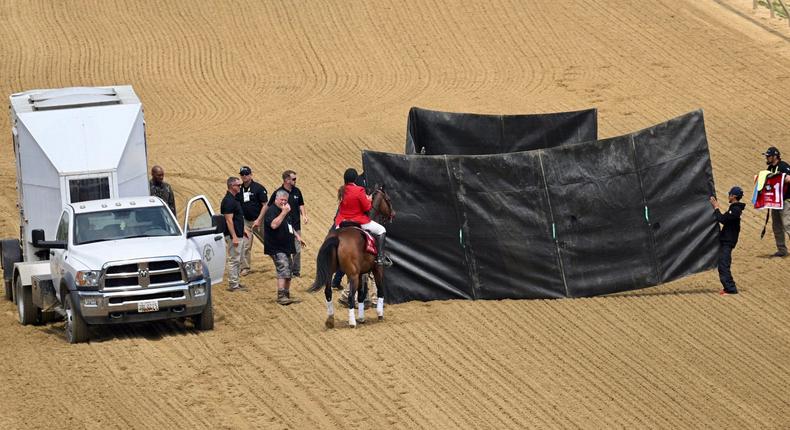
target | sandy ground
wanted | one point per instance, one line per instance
(307, 85)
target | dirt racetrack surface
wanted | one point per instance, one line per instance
(307, 85)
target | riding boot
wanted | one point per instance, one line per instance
(382, 259)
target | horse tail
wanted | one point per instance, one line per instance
(327, 255)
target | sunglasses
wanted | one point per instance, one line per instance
(293, 179)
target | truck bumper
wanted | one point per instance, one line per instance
(125, 306)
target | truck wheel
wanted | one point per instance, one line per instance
(76, 328)
(205, 320)
(28, 312)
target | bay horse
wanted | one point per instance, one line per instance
(344, 248)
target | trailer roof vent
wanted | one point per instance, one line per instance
(76, 100)
(72, 91)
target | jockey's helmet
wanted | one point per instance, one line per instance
(350, 175)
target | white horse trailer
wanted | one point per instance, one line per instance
(118, 255)
(72, 145)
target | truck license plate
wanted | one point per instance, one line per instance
(148, 306)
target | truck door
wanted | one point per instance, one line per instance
(211, 246)
(56, 256)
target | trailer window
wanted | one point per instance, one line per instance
(81, 190)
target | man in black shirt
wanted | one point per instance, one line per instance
(278, 243)
(297, 214)
(235, 233)
(253, 197)
(159, 188)
(728, 236)
(780, 218)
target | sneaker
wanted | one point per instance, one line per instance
(727, 293)
(238, 288)
(779, 254)
(283, 299)
(244, 272)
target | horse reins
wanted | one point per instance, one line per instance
(379, 194)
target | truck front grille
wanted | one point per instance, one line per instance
(144, 274)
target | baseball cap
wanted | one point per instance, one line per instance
(245, 170)
(771, 151)
(736, 191)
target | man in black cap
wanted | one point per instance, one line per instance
(253, 198)
(728, 236)
(780, 218)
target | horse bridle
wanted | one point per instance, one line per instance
(376, 212)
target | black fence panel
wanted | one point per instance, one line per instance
(677, 176)
(572, 221)
(507, 227)
(423, 240)
(432, 132)
(598, 210)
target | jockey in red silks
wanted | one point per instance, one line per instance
(355, 206)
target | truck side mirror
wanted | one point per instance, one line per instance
(39, 242)
(38, 237)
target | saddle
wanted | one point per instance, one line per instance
(370, 241)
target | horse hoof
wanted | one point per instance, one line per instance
(330, 323)
(381, 317)
(361, 321)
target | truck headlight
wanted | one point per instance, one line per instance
(87, 278)
(194, 270)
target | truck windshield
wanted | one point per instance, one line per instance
(123, 224)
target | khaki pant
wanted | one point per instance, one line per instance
(296, 267)
(233, 260)
(245, 256)
(780, 223)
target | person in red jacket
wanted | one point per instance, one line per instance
(355, 206)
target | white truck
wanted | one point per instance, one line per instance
(115, 254)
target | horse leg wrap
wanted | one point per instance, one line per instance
(330, 308)
(361, 310)
(351, 320)
(380, 306)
